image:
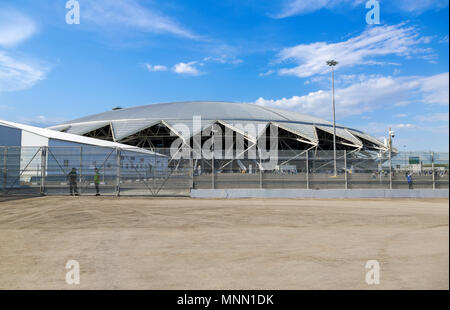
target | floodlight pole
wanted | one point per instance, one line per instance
(213, 181)
(390, 157)
(332, 64)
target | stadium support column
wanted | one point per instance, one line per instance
(117, 172)
(43, 169)
(432, 170)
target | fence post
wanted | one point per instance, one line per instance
(432, 170)
(345, 169)
(154, 169)
(117, 172)
(191, 164)
(43, 169)
(260, 171)
(307, 169)
(5, 168)
(390, 166)
(212, 168)
(81, 165)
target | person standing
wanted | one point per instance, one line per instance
(410, 181)
(97, 182)
(72, 177)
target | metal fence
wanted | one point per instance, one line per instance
(46, 170)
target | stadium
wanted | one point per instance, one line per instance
(152, 126)
(157, 126)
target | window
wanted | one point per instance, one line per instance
(66, 163)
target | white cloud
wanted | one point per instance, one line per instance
(299, 7)
(434, 117)
(41, 121)
(129, 13)
(444, 39)
(224, 59)
(368, 95)
(436, 89)
(400, 115)
(267, 73)
(420, 6)
(187, 68)
(155, 68)
(374, 42)
(16, 74)
(402, 126)
(14, 28)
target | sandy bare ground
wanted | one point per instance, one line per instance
(142, 243)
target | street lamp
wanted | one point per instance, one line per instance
(332, 64)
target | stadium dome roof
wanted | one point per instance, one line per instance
(128, 121)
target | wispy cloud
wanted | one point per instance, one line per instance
(434, 117)
(188, 68)
(41, 121)
(155, 68)
(191, 68)
(267, 73)
(14, 27)
(374, 42)
(369, 95)
(420, 6)
(300, 7)
(224, 59)
(400, 115)
(130, 14)
(18, 74)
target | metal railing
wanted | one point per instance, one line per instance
(47, 171)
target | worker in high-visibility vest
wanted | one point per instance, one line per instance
(97, 182)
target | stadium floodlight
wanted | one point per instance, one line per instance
(332, 64)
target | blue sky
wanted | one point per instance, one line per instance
(134, 52)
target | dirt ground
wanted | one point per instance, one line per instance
(148, 243)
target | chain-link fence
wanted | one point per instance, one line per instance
(91, 171)
(107, 171)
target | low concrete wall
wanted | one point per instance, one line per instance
(325, 193)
